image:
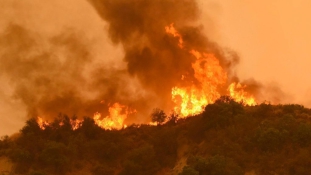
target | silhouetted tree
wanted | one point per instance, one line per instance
(31, 127)
(158, 116)
(172, 118)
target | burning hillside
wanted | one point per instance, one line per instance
(170, 56)
(208, 78)
(228, 138)
(168, 63)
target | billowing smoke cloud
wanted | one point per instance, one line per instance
(46, 76)
(56, 74)
(154, 57)
(150, 53)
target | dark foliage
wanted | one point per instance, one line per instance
(227, 138)
(158, 116)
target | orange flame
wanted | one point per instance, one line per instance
(117, 114)
(42, 124)
(153, 123)
(171, 30)
(238, 93)
(75, 124)
(209, 76)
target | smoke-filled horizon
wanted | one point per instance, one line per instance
(50, 76)
(125, 56)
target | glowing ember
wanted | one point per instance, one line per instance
(238, 93)
(117, 114)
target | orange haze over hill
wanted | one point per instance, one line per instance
(271, 40)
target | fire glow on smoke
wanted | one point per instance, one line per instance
(189, 99)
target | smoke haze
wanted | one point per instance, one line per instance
(53, 73)
(48, 53)
(77, 57)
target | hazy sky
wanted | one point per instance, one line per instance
(272, 38)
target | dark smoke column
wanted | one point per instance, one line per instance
(151, 55)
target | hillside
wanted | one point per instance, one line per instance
(228, 138)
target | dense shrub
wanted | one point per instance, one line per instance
(227, 138)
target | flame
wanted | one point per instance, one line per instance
(153, 123)
(238, 93)
(190, 99)
(117, 114)
(75, 124)
(171, 30)
(42, 124)
(209, 77)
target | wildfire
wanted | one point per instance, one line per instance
(153, 123)
(115, 120)
(117, 114)
(75, 124)
(209, 76)
(171, 30)
(42, 124)
(238, 93)
(190, 99)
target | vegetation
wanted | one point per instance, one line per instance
(228, 138)
(158, 116)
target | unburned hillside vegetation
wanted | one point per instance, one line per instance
(228, 138)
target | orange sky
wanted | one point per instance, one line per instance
(272, 37)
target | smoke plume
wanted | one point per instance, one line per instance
(58, 75)
(151, 55)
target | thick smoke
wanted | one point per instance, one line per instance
(56, 75)
(150, 53)
(44, 75)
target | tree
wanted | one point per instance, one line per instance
(31, 127)
(270, 139)
(172, 118)
(141, 161)
(214, 165)
(302, 135)
(55, 156)
(158, 116)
